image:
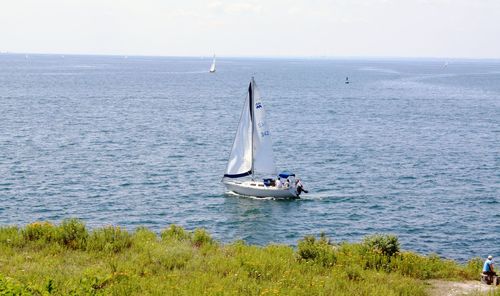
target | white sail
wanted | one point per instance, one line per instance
(263, 158)
(252, 150)
(212, 68)
(240, 160)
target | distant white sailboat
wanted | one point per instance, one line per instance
(252, 154)
(212, 68)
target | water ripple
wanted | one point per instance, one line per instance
(407, 148)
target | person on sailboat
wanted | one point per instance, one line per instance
(287, 183)
(278, 183)
(300, 187)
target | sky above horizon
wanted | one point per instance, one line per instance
(300, 28)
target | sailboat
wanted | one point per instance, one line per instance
(347, 80)
(252, 154)
(212, 68)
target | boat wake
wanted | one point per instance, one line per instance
(308, 196)
(234, 194)
(315, 196)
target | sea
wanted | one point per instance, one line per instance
(409, 147)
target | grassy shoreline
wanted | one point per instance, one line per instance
(67, 259)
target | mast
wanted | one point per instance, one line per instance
(250, 100)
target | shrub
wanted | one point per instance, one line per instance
(9, 286)
(144, 234)
(320, 251)
(11, 236)
(144, 239)
(384, 244)
(174, 257)
(474, 267)
(427, 267)
(353, 273)
(307, 249)
(410, 264)
(378, 261)
(201, 238)
(93, 282)
(109, 239)
(73, 234)
(44, 231)
(174, 232)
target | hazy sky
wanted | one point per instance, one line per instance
(336, 28)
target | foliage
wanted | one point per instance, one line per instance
(44, 231)
(201, 238)
(73, 234)
(109, 239)
(385, 244)
(320, 251)
(9, 286)
(175, 233)
(66, 259)
(11, 236)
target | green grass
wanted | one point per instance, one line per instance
(67, 259)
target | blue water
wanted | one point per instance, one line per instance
(410, 147)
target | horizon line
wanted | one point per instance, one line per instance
(312, 57)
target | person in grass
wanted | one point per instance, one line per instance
(488, 268)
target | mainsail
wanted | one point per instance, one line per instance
(212, 68)
(252, 150)
(263, 158)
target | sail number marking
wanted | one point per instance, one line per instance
(262, 124)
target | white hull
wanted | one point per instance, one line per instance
(258, 189)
